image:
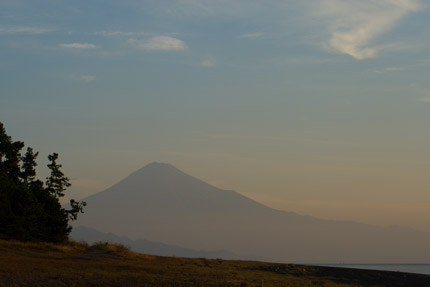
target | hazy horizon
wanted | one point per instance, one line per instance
(314, 107)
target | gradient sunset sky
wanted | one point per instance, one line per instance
(321, 107)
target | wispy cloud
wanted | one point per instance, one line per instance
(292, 140)
(113, 33)
(424, 100)
(87, 78)
(422, 64)
(208, 63)
(24, 30)
(353, 26)
(77, 45)
(212, 8)
(160, 43)
(251, 35)
(390, 69)
(246, 137)
(83, 78)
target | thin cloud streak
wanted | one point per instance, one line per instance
(83, 78)
(23, 30)
(209, 63)
(87, 78)
(354, 25)
(244, 137)
(424, 100)
(115, 33)
(211, 8)
(77, 45)
(251, 35)
(159, 43)
(420, 65)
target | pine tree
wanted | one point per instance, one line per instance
(29, 209)
(56, 183)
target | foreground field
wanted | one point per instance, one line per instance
(102, 264)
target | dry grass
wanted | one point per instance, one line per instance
(106, 264)
(108, 248)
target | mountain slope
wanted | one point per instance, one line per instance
(161, 203)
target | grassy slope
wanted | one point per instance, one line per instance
(77, 264)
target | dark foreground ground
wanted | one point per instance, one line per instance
(77, 264)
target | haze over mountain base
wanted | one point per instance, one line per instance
(91, 236)
(161, 203)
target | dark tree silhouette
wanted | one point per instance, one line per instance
(29, 209)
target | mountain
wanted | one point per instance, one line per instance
(161, 203)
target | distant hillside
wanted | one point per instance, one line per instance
(91, 235)
(161, 203)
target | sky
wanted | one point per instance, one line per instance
(319, 107)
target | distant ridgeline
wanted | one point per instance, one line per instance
(29, 208)
(91, 235)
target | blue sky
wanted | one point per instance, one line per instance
(319, 106)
